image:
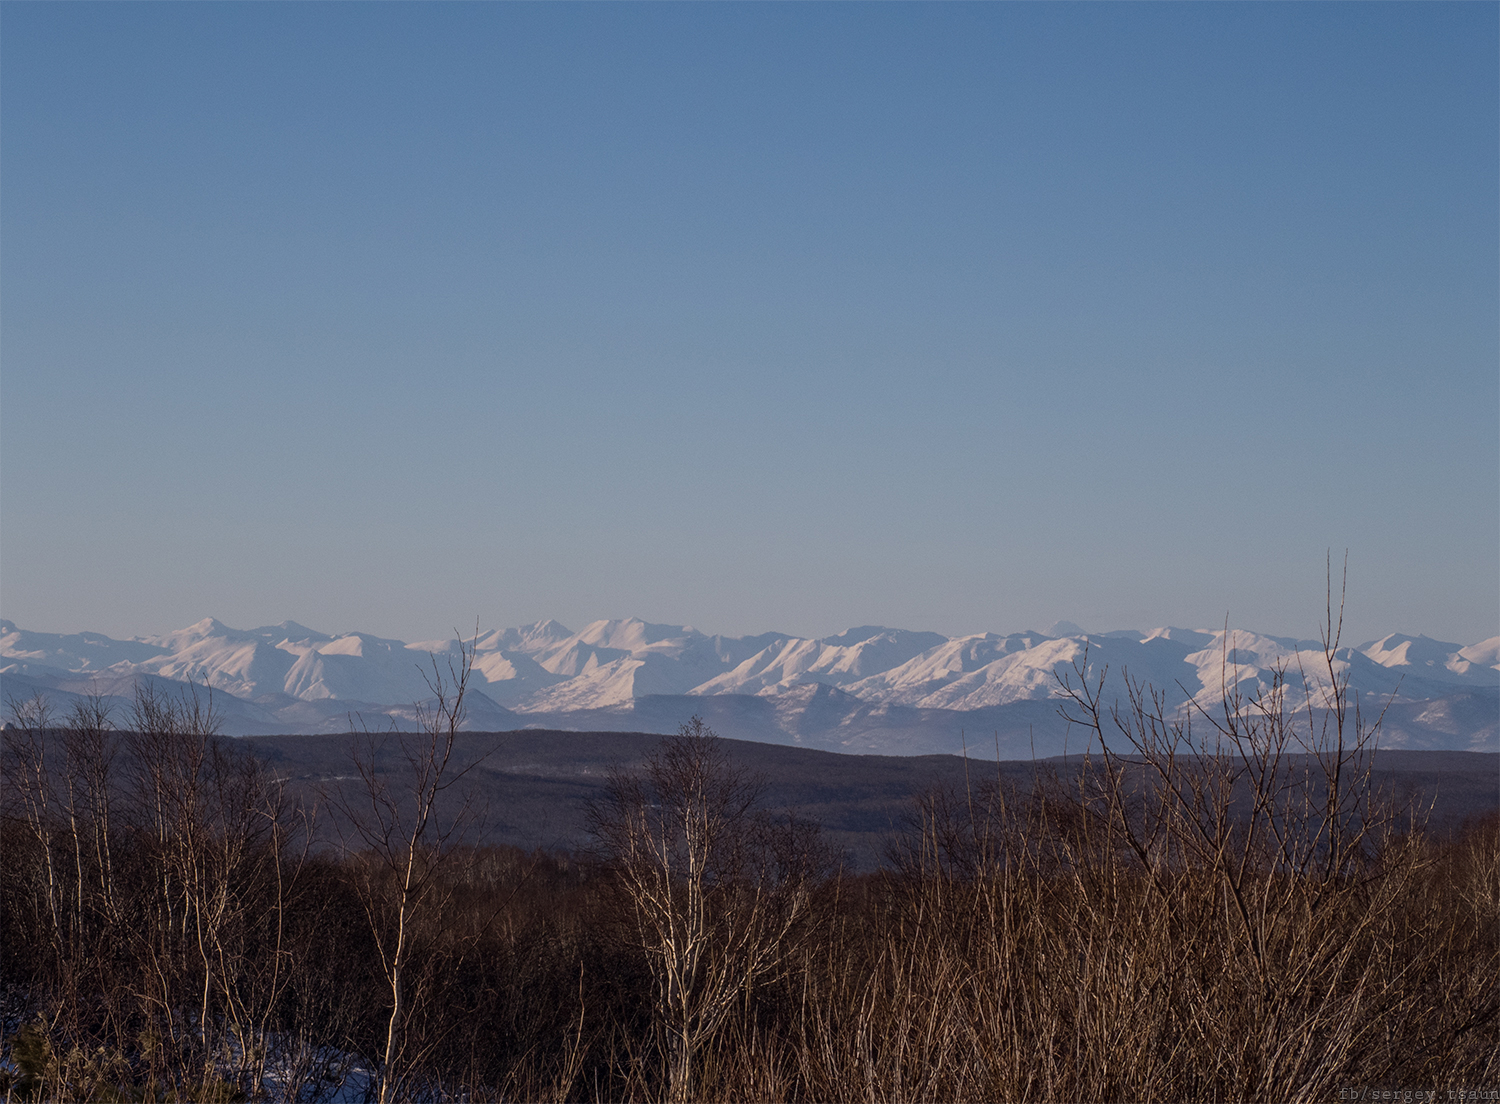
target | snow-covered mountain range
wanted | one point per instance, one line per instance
(866, 689)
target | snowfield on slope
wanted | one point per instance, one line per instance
(289, 674)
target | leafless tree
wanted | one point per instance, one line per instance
(29, 789)
(1272, 802)
(220, 837)
(57, 780)
(403, 841)
(163, 877)
(718, 893)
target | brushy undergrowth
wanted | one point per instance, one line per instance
(1226, 909)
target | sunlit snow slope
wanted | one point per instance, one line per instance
(870, 688)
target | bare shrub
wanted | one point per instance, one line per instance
(160, 866)
(718, 894)
(1227, 908)
(403, 850)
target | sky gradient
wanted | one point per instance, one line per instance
(948, 317)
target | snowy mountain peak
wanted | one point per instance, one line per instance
(545, 669)
(858, 635)
(208, 627)
(631, 634)
(287, 630)
(1484, 654)
(1194, 637)
(1400, 650)
(525, 639)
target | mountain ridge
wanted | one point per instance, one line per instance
(882, 687)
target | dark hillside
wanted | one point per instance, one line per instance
(533, 785)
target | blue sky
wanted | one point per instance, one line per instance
(952, 317)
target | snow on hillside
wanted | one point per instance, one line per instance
(74, 652)
(545, 671)
(975, 671)
(1419, 655)
(834, 661)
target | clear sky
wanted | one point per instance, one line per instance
(794, 317)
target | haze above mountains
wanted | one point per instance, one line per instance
(871, 688)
